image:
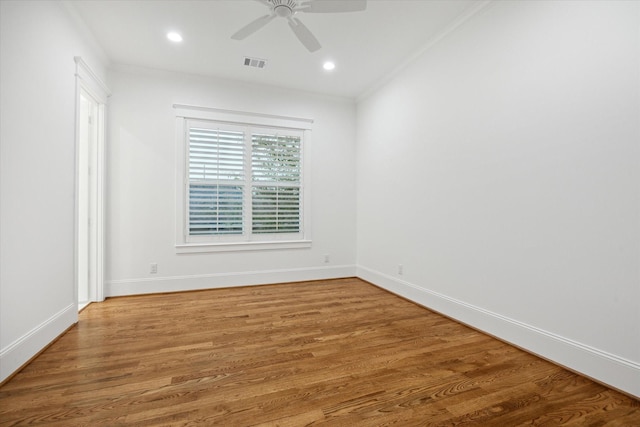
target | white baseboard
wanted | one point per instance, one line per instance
(24, 348)
(223, 280)
(601, 366)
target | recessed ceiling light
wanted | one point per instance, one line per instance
(174, 37)
(329, 66)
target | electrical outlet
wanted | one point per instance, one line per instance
(326, 258)
(400, 269)
(154, 268)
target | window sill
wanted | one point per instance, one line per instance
(191, 248)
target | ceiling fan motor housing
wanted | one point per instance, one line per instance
(284, 8)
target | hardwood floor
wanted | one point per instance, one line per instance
(334, 353)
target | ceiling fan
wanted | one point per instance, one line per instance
(287, 9)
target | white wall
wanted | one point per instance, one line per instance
(38, 41)
(501, 169)
(141, 185)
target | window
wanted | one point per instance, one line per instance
(216, 180)
(275, 191)
(242, 183)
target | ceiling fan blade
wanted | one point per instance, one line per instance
(304, 35)
(333, 6)
(254, 26)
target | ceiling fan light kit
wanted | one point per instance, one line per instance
(287, 9)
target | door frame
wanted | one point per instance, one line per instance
(87, 81)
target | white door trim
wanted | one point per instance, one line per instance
(87, 81)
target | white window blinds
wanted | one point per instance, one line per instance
(216, 181)
(275, 166)
(243, 181)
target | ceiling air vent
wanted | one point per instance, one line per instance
(255, 62)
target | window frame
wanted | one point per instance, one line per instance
(184, 115)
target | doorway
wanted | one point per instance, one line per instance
(91, 98)
(87, 167)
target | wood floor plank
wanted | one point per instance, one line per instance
(332, 353)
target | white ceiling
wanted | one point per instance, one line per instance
(366, 46)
